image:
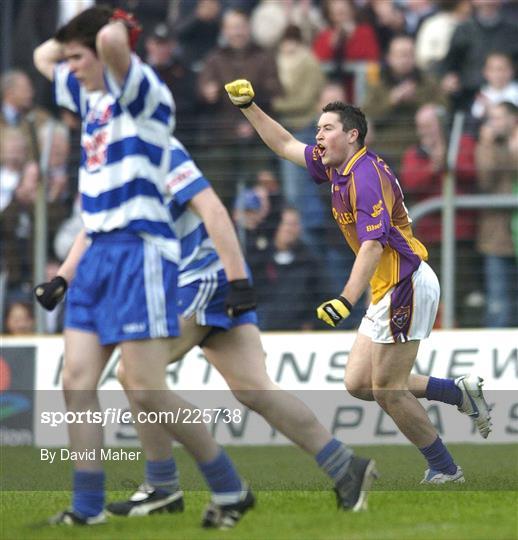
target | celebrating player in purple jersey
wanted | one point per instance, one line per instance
(367, 204)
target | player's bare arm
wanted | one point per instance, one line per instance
(275, 136)
(68, 269)
(334, 311)
(113, 48)
(363, 269)
(46, 56)
(219, 226)
(51, 293)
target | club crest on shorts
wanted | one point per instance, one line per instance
(400, 316)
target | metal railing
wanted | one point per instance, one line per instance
(448, 259)
(360, 73)
(41, 224)
(448, 202)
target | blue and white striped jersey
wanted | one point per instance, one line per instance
(124, 153)
(185, 180)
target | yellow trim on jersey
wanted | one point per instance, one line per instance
(352, 197)
(388, 198)
(413, 243)
(361, 152)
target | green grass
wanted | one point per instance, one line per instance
(294, 498)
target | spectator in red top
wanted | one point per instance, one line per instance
(345, 39)
(422, 170)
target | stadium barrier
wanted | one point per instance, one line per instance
(309, 364)
(448, 258)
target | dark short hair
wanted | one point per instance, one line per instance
(83, 28)
(293, 33)
(351, 117)
(448, 5)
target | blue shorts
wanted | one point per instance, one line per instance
(123, 290)
(205, 299)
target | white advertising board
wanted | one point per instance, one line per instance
(312, 366)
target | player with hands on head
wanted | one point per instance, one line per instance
(125, 264)
(131, 23)
(368, 206)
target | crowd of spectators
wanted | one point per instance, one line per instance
(410, 64)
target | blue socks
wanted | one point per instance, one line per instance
(163, 475)
(438, 457)
(223, 479)
(88, 494)
(334, 459)
(444, 390)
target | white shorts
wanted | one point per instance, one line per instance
(407, 311)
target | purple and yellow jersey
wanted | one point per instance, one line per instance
(367, 204)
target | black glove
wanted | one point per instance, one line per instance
(50, 293)
(240, 297)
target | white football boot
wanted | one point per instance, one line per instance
(473, 402)
(437, 477)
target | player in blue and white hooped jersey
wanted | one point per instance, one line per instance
(124, 158)
(124, 287)
(203, 276)
(212, 270)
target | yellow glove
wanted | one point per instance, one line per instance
(240, 93)
(334, 311)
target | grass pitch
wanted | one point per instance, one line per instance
(294, 498)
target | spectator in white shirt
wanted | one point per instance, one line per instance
(500, 86)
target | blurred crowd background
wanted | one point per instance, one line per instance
(410, 64)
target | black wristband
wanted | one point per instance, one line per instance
(246, 105)
(346, 303)
(61, 281)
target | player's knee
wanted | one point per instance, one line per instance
(133, 376)
(246, 398)
(121, 375)
(250, 380)
(76, 378)
(358, 387)
(256, 400)
(362, 393)
(143, 399)
(388, 394)
(78, 390)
